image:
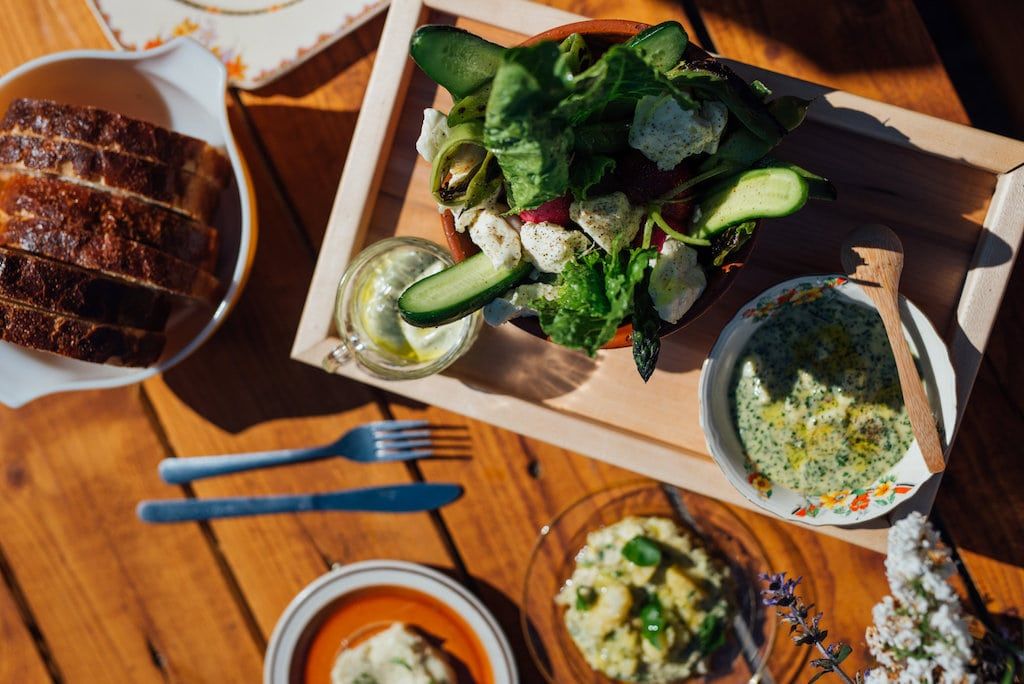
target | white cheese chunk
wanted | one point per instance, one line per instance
(677, 280)
(548, 246)
(432, 134)
(495, 237)
(667, 134)
(606, 218)
(518, 302)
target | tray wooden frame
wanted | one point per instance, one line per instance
(569, 424)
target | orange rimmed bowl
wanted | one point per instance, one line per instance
(609, 32)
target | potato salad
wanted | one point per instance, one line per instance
(646, 602)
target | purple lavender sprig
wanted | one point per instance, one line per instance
(804, 627)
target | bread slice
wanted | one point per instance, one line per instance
(150, 181)
(111, 131)
(65, 289)
(56, 333)
(80, 209)
(105, 252)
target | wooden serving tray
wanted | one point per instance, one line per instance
(954, 194)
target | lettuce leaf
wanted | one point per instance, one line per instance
(620, 75)
(536, 102)
(586, 171)
(595, 294)
(532, 146)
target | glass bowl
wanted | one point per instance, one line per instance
(753, 629)
(415, 258)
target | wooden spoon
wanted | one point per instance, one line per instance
(873, 257)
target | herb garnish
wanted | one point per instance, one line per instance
(711, 634)
(585, 598)
(653, 619)
(642, 551)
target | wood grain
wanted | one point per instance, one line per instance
(988, 28)
(240, 392)
(20, 660)
(115, 600)
(883, 175)
(399, 189)
(979, 502)
(877, 49)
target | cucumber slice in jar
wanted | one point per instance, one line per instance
(661, 46)
(754, 194)
(458, 61)
(458, 291)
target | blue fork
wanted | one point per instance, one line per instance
(380, 442)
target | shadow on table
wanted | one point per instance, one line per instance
(322, 67)
(506, 611)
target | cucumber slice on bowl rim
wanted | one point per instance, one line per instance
(662, 46)
(458, 290)
(758, 193)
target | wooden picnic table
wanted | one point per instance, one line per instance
(90, 594)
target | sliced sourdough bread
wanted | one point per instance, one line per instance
(111, 131)
(81, 209)
(47, 331)
(150, 181)
(65, 289)
(112, 255)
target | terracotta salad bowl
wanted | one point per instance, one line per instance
(608, 32)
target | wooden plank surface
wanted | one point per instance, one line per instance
(514, 485)
(266, 401)
(979, 502)
(195, 604)
(20, 661)
(114, 599)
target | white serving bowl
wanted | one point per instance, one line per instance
(291, 634)
(179, 85)
(833, 508)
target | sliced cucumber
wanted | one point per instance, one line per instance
(457, 291)
(661, 46)
(758, 193)
(818, 187)
(470, 108)
(789, 110)
(457, 60)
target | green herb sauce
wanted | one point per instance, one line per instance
(816, 397)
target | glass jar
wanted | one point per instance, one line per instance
(373, 333)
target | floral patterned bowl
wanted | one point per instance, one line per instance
(843, 507)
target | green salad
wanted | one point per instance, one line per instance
(600, 183)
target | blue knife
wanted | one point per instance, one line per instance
(405, 498)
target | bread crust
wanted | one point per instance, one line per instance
(116, 132)
(82, 209)
(65, 289)
(146, 180)
(109, 254)
(68, 336)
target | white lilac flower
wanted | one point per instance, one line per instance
(919, 634)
